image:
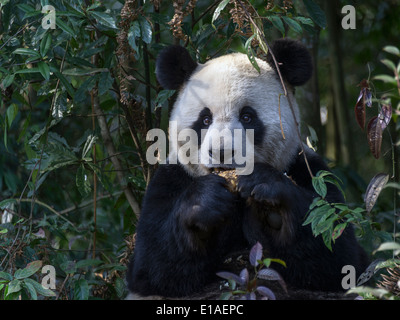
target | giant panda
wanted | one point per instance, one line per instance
(190, 220)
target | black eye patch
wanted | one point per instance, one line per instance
(255, 123)
(203, 121)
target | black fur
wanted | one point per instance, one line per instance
(183, 233)
(188, 224)
(174, 66)
(294, 61)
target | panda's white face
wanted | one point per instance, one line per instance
(229, 93)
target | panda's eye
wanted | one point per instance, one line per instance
(245, 118)
(207, 120)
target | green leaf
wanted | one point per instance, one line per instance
(83, 72)
(68, 267)
(27, 70)
(14, 286)
(39, 288)
(65, 27)
(31, 289)
(5, 275)
(277, 23)
(250, 53)
(163, 97)
(392, 50)
(82, 181)
(88, 263)
(389, 246)
(44, 69)
(218, 10)
(45, 44)
(29, 270)
(293, 24)
(385, 78)
(338, 230)
(319, 186)
(105, 82)
(304, 20)
(81, 290)
(27, 52)
(315, 13)
(91, 139)
(11, 113)
(25, 7)
(119, 287)
(104, 19)
(8, 80)
(146, 31)
(65, 82)
(388, 63)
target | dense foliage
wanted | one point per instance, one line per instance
(79, 94)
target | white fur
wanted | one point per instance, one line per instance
(227, 84)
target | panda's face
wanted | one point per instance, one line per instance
(225, 95)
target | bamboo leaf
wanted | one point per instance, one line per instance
(27, 52)
(250, 53)
(104, 19)
(45, 44)
(218, 10)
(44, 69)
(82, 181)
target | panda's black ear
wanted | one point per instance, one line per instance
(174, 66)
(295, 63)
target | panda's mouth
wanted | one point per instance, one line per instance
(220, 168)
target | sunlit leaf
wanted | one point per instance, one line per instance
(374, 134)
(392, 50)
(218, 10)
(374, 188)
(250, 53)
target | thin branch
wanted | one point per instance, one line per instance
(109, 144)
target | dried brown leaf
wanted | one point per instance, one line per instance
(374, 134)
(374, 189)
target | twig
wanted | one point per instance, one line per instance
(109, 144)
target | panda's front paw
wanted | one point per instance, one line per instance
(264, 184)
(207, 205)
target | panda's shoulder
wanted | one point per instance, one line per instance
(298, 168)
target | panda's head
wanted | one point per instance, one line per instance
(228, 93)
